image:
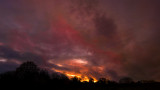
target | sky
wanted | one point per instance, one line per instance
(86, 38)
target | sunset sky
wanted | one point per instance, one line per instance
(87, 38)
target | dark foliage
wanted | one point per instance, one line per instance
(28, 75)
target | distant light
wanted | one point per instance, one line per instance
(3, 60)
(81, 61)
(60, 65)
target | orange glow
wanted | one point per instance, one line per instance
(83, 78)
(72, 75)
(80, 68)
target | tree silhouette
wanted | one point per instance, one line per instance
(102, 81)
(43, 76)
(8, 77)
(27, 71)
(28, 75)
(28, 67)
(59, 76)
(76, 80)
(126, 80)
(91, 80)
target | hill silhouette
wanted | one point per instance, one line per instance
(29, 75)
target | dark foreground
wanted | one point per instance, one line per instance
(29, 76)
(82, 86)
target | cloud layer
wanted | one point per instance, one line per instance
(97, 38)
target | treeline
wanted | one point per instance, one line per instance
(29, 75)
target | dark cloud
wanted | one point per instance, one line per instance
(48, 65)
(121, 37)
(142, 50)
(113, 75)
(8, 53)
(105, 26)
(10, 66)
(85, 7)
